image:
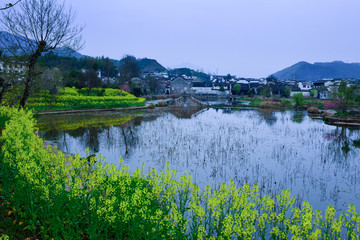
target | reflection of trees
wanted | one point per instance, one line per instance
(356, 143)
(92, 138)
(340, 139)
(268, 115)
(51, 135)
(298, 117)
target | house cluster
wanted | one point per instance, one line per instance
(224, 85)
(11, 67)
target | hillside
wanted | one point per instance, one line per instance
(150, 65)
(312, 72)
(189, 72)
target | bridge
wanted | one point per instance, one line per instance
(188, 101)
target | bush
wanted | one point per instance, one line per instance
(299, 100)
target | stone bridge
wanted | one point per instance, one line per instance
(188, 101)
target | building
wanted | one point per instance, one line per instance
(180, 85)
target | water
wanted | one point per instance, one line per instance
(278, 150)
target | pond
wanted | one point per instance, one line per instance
(276, 149)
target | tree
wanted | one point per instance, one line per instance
(91, 76)
(313, 93)
(266, 91)
(299, 100)
(52, 80)
(109, 69)
(237, 88)
(287, 92)
(9, 5)
(128, 69)
(36, 27)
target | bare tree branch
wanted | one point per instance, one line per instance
(9, 5)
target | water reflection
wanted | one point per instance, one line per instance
(268, 115)
(188, 112)
(277, 150)
(298, 116)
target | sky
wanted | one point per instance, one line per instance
(246, 38)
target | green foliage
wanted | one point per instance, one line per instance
(357, 99)
(266, 91)
(286, 102)
(222, 89)
(347, 93)
(237, 88)
(71, 98)
(299, 99)
(287, 92)
(65, 198)
(313, 93)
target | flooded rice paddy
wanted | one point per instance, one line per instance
(278, 150)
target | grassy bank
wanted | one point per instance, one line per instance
(66, 198)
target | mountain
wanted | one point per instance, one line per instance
(305, 71)
(150, 65)
(189, 72)
(16, 44)
(145, 64)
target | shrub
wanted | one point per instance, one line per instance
(299, 100)
(65, 198)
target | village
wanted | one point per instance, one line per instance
(225, 85)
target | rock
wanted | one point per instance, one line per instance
(325, 113)
(91, 157)
(313, 110)
(161, 104)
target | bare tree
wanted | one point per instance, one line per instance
(52, 79)
(128, 69)
(9, 5)
(35, 27)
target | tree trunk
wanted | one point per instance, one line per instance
(3, 90)
(31, 73)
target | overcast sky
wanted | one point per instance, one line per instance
(248, 38)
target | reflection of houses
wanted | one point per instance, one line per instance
(180, 85)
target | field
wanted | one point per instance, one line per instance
(72, 98)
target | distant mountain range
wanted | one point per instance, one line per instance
(305, 71)
(302, 71)
(8, 41)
